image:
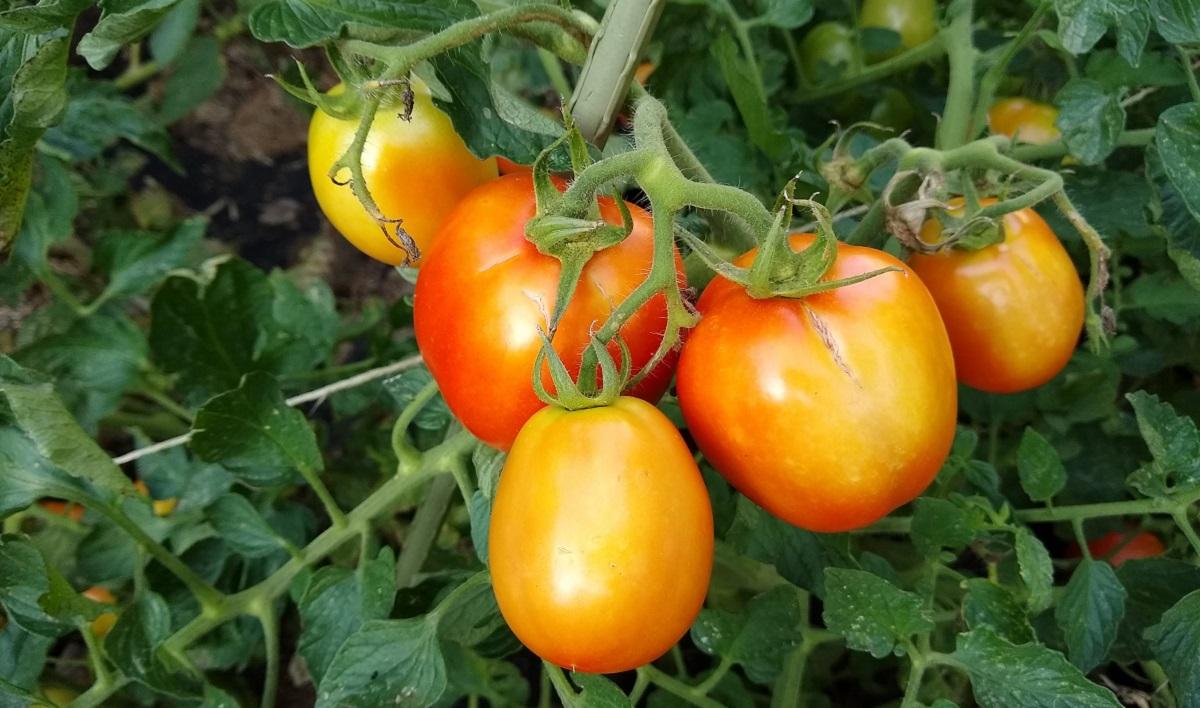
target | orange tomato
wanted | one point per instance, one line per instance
(601, 536)
(1024, 120)
(485, 293)
(831, 410)
(162, 507)
(104, 622)
(416, 170)
(70, 510)
(1014, 309)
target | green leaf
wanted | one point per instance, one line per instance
(1178, 21)
(23, 581)
(469, 614)
(252, 432)
(938, 524)
(1180, 222)
(392, 662)
(97, 117)
(1154, 585)
(871, 613)
(488, 463)
(992, 606)
(470, 673)
(1176, 644)
(303, 23)
(1177, 135)
(800, 556)
(133, 642)
(25, 476)
(1004, 675)
(760, 637)
(22, 657)
(748, 96)
(123, 22)
(1174, 443)
(1089, 612)
(94, 362)
(242, 528)
(784, 14)
(404, 387)
(1081, 23)
(1164, 296)
(598, 692)
(40, 413)
(39, 94)
(49, 214)
(16, 173)
(169, 38)
(136, 261)
(1042, 472)
(1036, 569)
(1111, 69)
(1090, 118)
(197, 75)
(336, 603)
(43, 16)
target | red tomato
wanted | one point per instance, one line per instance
(1013, 309)
(1136, 545)
(485, 291)
(507, 166)
(1024, 120)
(601, 537)
(416, 170)
(70, 510)
(828, 411)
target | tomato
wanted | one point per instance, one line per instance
(601, 537)
(162, 507)
(913, 20)
(1024, 120)
(828, 411)
(104, 622)
(828, 51)
(70, 510)
(1141, 545)
(893, 110)
(416, 171)
(485, 292)
(58, 695)
(507, 166)
(643, 72)
(1013, 309)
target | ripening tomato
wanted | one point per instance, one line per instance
(104, 622)
(485, 292)
(1024, 120)
(416, 170)
(59, 696)
(162, 507)
(507, 166)
(1013, 309)
(831, 410)
(913, 20)
(1136, 545)
(70, 510)
(601, 536)
(828, 50)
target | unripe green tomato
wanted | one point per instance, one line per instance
(827, 52)
(893, 110)
(914, 20)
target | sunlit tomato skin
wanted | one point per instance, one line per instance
(1014, 309)
(601, 537)
(913, 20)
(415, 170)
(1024, 120)
(104, 622)
(1140, 545)
(828, 51)
(485, 293)
(828, 411)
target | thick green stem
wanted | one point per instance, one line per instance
(270, 628)
(670, 684)
(336, 515)
(952, 131)
(1028, 153)
(423, 531)
(916, 672)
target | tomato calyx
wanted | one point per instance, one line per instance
(966, 228)
(574, 396)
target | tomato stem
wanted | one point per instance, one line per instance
(996, 72)
(952, 130)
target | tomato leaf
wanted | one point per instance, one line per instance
(747, 89)
(1004, 674)
(994, 607)
(598, 692)
(871, 613)
(938, 524)
(242, 528)
(393, 662)
(1081, 23)
(252, 432)
(1174, 444)
(303, 23)
(45, 16)
(1090, 118)
(1153, 586)
(1176, 644)
(135, 261)
(335, 604)
(1042, 472)
(122, 22)
(1178, 21)
(405, 386)
(133, 642)
(1036, 569)
(1178, 138)
(1090, 612)
(760, 637)
(23, 581)
(800, 556)
(784, 14)
(25, 476)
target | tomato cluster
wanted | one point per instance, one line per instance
(829, 410)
